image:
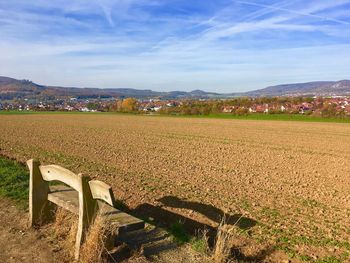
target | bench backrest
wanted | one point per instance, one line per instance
(58, 173)
(102, 191)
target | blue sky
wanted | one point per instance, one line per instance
(222, 45)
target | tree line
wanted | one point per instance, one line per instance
(240, 106)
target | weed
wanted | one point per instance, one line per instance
(245, 204)
(311, 203)
(290, 252)
(200, 243)
(179, 234)
(331, 259)
(270, 212)
(305, 258)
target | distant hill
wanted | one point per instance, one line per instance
(320, 88)
(12, 88)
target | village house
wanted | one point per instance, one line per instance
(228, 109)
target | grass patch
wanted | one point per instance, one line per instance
(179, 234)
(199, 245)
(270, 212)
(245, 204)
(200, 242)
(330, 259)
(269, 117)
(253, 116)
(13, 112)
(305, 258)
(14, 181)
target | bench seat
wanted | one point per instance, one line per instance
(64, 197)
(118, 219)
(68, 199)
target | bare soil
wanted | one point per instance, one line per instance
(284, 185)
(17, 242)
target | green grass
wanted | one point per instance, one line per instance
(271, 117)
(14, 181)
(254, 116)
(13, 112)
(330, 259)
(179, 234)
(199, 245)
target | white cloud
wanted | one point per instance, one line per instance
(129, 43)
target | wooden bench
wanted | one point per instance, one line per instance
(81, 196)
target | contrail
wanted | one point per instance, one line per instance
(267, 10)
(107, 12)
(272, 7)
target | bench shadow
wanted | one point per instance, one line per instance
(210, 211)
(156, 240)
(148, 242)
(165, 218)
(260, 256)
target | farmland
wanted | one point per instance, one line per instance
(287, 181)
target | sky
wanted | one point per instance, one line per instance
(220, 46)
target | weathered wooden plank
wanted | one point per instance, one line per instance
(102, 191)
(64, 197)
(123, 221)
(58, 173)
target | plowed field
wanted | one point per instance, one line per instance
(287, 182)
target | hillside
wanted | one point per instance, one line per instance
(12, 88)
(310, 88)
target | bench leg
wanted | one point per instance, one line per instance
(38, 192)
(87, 208)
